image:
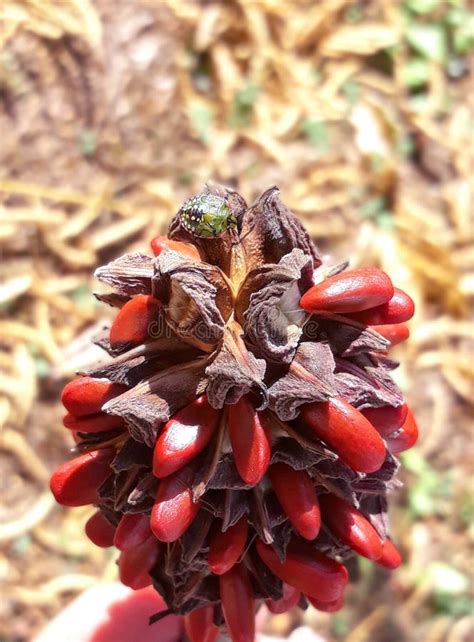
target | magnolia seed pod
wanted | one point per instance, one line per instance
(226, 548)
(99, 530)
(346, 430)
(132, 324)
(351, 527)
(400, 308)
(349, 291)
(250, 441)
(297, 496)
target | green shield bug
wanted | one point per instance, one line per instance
(207, 216)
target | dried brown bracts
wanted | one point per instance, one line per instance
(241, 437)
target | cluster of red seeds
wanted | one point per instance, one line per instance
(360, 438)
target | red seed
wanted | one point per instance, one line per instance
(93, 423)
(351, 527)
(99, 530)
(327, 607)
(226, 548)
(250, 441)
(297, 496)
(86, 395)
(400, 308)
(132, 530)
(184, 436)
(174, 509)
(307, 570)
(406, 437)
(199, 625)
(391, 557)
(75, 482)
(386, 419)
(346, 430)
(161, 243)
(135, 564)
(394, 332)
(132, 323)
(349, 291)
(238, 604)
(290, 599)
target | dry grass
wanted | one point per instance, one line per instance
(112, 114)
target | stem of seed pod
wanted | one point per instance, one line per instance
(238, 268)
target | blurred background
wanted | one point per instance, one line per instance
(111, 114)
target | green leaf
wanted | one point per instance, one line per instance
(353, 13)
(385, 220)
(455, 605)
(340, 624)
(422, 6)
(185, 179)
(419, 102)
(252, 170)
(405, 146)
(429, 493)
(247, 96)
(242, 107)
(317, 133)
(81, 295)
(463, 36)
(201, 119)
(429, 40)
(21, 544)
(351, 91)
(467, 509)
(416, 72)
(373, 207)
(43, 367)
(447, 579)
(87, 142)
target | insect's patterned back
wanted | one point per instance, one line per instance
(207, 216)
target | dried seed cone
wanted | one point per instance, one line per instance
(240, 443)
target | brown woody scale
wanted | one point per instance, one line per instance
(285, 391)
